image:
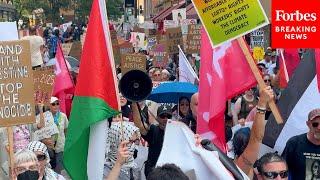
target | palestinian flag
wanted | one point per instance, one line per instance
(95, 100)
(300, 97)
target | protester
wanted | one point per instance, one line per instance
(53, 42)
(272, 166)
(36, 47)
(122, 131)
(304, 149)
(157, 75)
(167, 172)
(61, 121)
(42, 154)
(26, 166)
(56, 142)
(246, 159)
(153, 134)
(67, 35)
(165, 75)
(243, 106)
(123, 154)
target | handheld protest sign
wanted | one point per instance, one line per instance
(16, 84)
(126, 48)
(260, 81)
(174, 38)
(160, 56)
(43, 84)
(226, 20)
(133, 61)
(192, 44)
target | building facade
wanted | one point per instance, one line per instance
(7, 11)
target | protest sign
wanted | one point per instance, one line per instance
(125, 48)
(257, 38)
(16, 84)
(152, 41)
(179, 14)
(174, 38)
(66, 47)
(192, 44)
(43, 84)
(185, 23)
(160, 56)
(133, 61)
(148, 25)
(76, 50)
(170, 24)
(8, 31)
(45, 132)
(229, 19)
(258, 53)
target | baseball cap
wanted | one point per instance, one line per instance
(164, 109)
(53, 99)
(313, 114)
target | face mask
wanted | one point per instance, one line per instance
(28, 175)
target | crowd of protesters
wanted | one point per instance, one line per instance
(245, 123)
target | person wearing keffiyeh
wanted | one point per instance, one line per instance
(118, 132)
(41, 151)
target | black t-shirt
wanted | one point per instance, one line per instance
(154, 137)
(300, 155)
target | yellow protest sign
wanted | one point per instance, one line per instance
(229, 19)
(258, 53)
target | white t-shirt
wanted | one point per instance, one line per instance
(35, 43)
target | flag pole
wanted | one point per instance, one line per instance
(259, 79)
(11, 152)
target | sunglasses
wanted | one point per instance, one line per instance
(41, 157)
(55, 104)
(315, 124)
(162, 116)
(157, 74)
(267, 80)
(273, 175)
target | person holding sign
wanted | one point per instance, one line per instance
(52, 126)
(26, 166)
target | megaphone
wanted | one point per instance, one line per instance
(135, 85)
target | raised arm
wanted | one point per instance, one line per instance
(137, 120)
(250, 154)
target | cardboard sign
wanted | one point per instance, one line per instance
(257, 38)
(43, 84)
(226, 20)
(66, 47)
(126, 48)
(114, 38)
(193, 39)
(160, 56)
(45, 132)
(76, 50)
(16, 84)
(174, 38)
(133, 61)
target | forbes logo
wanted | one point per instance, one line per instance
(281, 15)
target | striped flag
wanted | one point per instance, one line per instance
(95, 100)
(186, 72)
(297, 100)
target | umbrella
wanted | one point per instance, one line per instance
(170, 92)
(72, 63)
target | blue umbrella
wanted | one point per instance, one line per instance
(170, 92)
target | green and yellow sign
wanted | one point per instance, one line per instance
(229, 19)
